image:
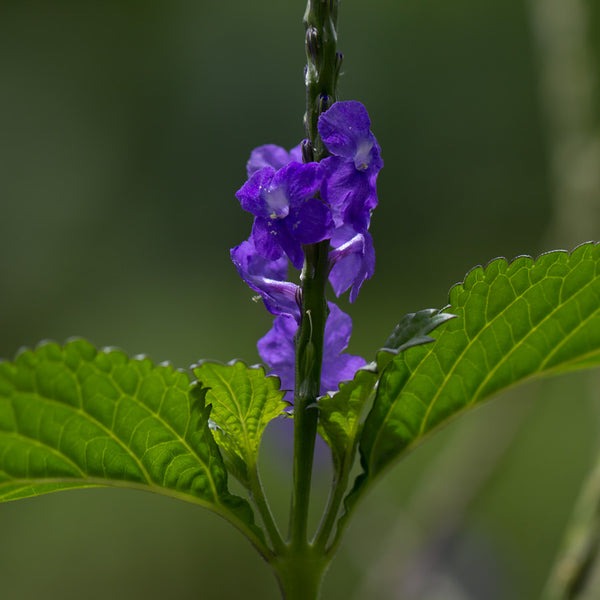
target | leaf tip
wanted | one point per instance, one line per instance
(413, 329)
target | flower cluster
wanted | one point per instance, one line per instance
(295, 204)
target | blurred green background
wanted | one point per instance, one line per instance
(125, 127)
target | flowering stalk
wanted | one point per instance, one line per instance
(312, 209)
(322, 71)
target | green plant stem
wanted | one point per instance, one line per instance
(322, 71)
(300, 575)
(309, 358)
(301, 566)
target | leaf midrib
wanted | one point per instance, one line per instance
(165, 424)
(471, 341)
(545, 361)
(89, 482)
(128, 450)
(240, 417)
(487, 326)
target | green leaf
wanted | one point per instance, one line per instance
(340, 416)
(413, 328)
(244, 402)
(515, 321)
(75, 417)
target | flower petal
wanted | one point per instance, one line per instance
(251, 194)
(337, 366)
(263, 240)
(353, 262)
(340, 368)
(311, 222)
(287, 214)
(282, 232)
(302, 181)
(345, 131)
(276, 349)
(267, 278)
(271, 155)
(351, 194)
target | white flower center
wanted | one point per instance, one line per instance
(362, 156)
(278, 204)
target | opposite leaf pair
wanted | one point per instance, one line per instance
(73, 416)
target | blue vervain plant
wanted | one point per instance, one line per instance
(73, 416)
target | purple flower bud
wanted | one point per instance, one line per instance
(313, 44)
(307, 151)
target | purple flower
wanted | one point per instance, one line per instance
(267, 278)
(352, 261)
(345, 129)
(271, 155)
(276, 349)
(351, 194)
(351, 172)
(287, 213)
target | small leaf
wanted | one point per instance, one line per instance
(340, 416)
(74, 417)
(413, 328)
(244, 402)
(340, 420)
(515, 321)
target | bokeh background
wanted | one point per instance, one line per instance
(124, 131)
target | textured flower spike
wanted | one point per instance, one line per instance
(276, 349)
(298, 203)
(286, 210)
